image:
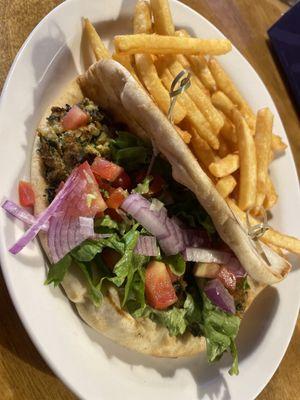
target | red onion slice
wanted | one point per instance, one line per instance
(219, 296)
(147, 246)
(20, 213)
(235, 267)
(31, 233)
(206, 255)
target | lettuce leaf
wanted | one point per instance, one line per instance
(143, 187)
(176, 263)
(58, 271)
(90, 248)
(220, 331)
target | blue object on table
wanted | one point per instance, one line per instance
(285, 39)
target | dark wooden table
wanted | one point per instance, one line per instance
(23, 373)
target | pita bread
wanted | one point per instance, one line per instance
(108, 84)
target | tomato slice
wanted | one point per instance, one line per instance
(92, 201)
(106, 169)
(116, 198)
(156, 185)
(75, 118)
(174, 278)
(123, 181)
(227, 278)
(26, 194)
(159, 290)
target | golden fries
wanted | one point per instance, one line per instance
(200, 67)
(193, 115)
(226, 185)
(248, 170)
(204, 154)
(147, 72)
(186, 65)
(185, 135)
(98, 47)
(223, 103)
(163, 22)
(270, 236)
(125, 60)
(157, 44)
(228, 130)
(262, 140)
(142, 18)
(225, 166)
(226, 85)
(271, 196)
(277, 145)
(200, 99)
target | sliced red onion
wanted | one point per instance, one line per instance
(20, 213)
(219, 296)
(165, 229)
(236, 268)
(43, 218)
(196, 238)
(86, 226)
(156, 205)
(206, 255)
(147, 246)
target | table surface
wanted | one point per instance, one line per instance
(23, 373)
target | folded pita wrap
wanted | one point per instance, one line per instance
(110, 86)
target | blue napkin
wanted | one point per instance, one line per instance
(285, 38)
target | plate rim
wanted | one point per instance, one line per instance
(10, 289)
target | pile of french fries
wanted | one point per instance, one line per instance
(232, 144)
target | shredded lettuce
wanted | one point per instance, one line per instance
(144, 186)
(129, 151)
(176, 264)
(220, 331)
(58, 271)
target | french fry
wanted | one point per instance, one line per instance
(228, 130)
(200, 99)
(277, 145)
(262, 140)
(163, 22)
(142, 18)
(226, 185)
(185, 135)
(224, 148)
(204, 154)
(194, 116)
(98, 47)
(225, 166)
(200, 67)
(125, 60)
(223, 103)
(271, 196)
(226, 85)
(270, 236)
(248, 170)
(186, 65)
(147, 72)
(157, 44)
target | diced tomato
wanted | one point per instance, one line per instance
(123, 181)
(91, 201)
(227, 278)
(159, 290)
(106, 169)
(116, 198)
(75, 118)
(104, 185)
(110, 257)
(26, 194)
(174, 278)
(140, 176)
(113, 215)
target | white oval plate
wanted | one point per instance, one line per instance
(92, 366)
